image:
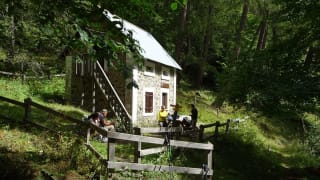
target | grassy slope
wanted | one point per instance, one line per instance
(259, 148)
(262, 147)
(36, 152)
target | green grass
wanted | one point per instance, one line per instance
(264, 146)
(27, 152)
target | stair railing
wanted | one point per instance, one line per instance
(124, 120)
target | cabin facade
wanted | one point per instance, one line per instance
(92, 86)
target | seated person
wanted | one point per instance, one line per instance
(99, 120)
(104, 123)
(94, 118)
(162, 117)
(175, 115)
(186, 123)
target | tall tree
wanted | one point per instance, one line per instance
(181, 31)
(242, 25)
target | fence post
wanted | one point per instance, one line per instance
(210, 162)
(27, 111)
(201, 133)
(216, 131)
(227, 125)
(88, 136)
(111, 149)
(111, 155)
(137, 148)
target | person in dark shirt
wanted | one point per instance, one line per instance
(175, 115)
(194, 116)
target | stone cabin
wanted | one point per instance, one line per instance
(92, 86)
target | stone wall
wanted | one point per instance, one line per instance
(153, 82)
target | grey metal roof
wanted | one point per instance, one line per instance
(150, 48)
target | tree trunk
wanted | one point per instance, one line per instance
(12, 36)
(181, 37)
(243, 20)
(206, 44)
(11, 45)
(262, 34)
(264, 41)
(181, 31)
(255, 37)
(11, 49)
(309, 58)
(208, 34)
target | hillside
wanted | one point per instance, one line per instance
(261, 146)
(264, 145)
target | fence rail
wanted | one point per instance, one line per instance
(28, 103)
(29, 77)
(11, 101)
(158, 130)
(216, 131)
(116, 137)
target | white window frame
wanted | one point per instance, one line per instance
(144, 101)
(152, 65)
(165, 77)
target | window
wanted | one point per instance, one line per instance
(149, 69)
(164, 97)
(165, 73)
(148, 101)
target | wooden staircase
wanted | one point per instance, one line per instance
(124, 120)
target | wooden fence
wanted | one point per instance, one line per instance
(23, 76)
(28, 103)
(174, 131)
(116, 137)
(216, 131)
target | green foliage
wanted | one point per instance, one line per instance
(271, 81)
(56, 29)
(279, 79)
(13, 89)
(48, 90)
(280, 76)
(174, 6)
(312, 139)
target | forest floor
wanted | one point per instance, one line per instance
(260, 147)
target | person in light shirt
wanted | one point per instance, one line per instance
(104, 122)
(162, 117)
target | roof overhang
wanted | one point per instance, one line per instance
(151, 49)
